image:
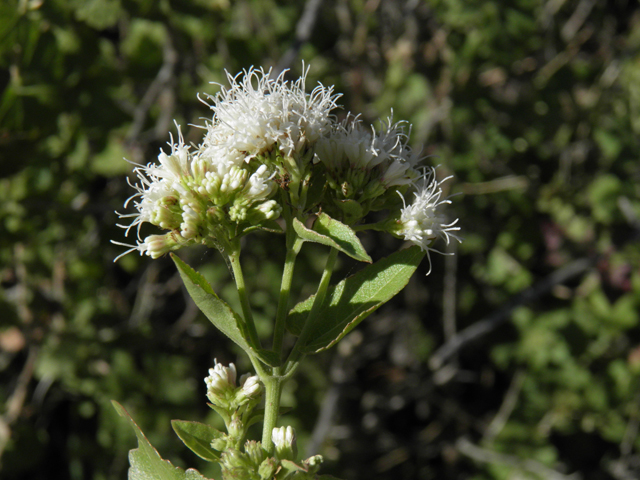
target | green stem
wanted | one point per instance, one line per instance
(296, 353)
(294, 243)
(273, 386)
(234, 259)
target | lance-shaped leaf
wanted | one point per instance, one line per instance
(198, 437)
(354, 298)
(333, 233)
(146, 463)
(219, 312)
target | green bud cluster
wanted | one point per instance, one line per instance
(246, 459)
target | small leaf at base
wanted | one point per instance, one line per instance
(198, 437)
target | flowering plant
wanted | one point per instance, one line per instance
(275, 158)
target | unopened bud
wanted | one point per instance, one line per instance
(267, 468)
(221, 380)
(235, 428)
(313, 463)
(255, 452)
(284, 439)
(251, 386)
(157, 245)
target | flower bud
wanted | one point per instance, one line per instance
(157, 245)
(284, 440)
(251, 386)
(235, 464)
(313, 463)
(221, 380)
(235, 428)
(267, 468)
(220, 444)
(255, 452)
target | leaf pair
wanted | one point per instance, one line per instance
(345, 306)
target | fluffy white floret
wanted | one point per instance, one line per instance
(257, 112)
(423, 221)
(351, 146)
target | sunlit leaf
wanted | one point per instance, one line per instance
(353, 299)
(329, 231)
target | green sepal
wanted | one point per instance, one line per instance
(220, 313)
(198, 437)
(333, 233)
(354, 298)
(146, 463)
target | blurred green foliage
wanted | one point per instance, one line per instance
(533, 105)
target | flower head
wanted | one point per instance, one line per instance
(257, 113)
(198, 199)
(422, 221)
(364, 163)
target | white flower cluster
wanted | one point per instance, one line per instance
(368, 157)
(265, 141)
(223, 391)
(195, 196)
(258, 112)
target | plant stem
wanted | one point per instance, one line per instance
(294, 243)
(273, 386)
(234, 259)
(296, 353)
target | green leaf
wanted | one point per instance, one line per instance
(351, 210)
(215, 309)
(220, 313)
(146, 463)
(354, 298)
(329, 231)
(198, 437)
(292, 466)
(268, 357)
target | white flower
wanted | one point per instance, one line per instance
(284, 439)
(251, 386)
(257, 112)
(192, 195)
(220, 380)
(365, 162)
(423, 221)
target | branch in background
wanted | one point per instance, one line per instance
(340, 376)
(163, 78)
(483, 455)
(508, 405)
(488, 324)
(449, 294)
(15, 402)
(303, 33)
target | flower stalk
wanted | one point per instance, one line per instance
(272, 150)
